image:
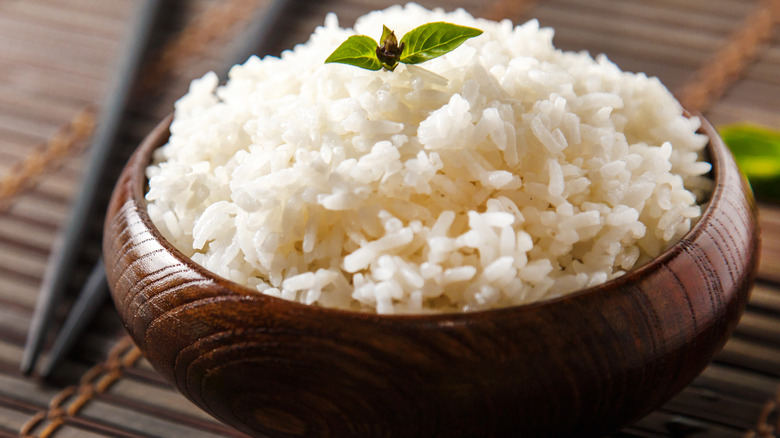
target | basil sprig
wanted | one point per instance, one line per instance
(421, 44)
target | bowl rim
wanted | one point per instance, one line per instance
(715, 149)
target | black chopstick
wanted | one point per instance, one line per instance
(85, 308)
(64, 254)
(258, 38)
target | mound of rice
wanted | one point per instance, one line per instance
(504, 172)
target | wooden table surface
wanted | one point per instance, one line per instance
(57, 58)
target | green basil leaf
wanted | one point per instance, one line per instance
(433, 40)
(757, 153)
(357, 50)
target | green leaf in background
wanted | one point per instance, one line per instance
(433, 40)
(757, 152)
(357, 50)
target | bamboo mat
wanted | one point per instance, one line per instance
(56, 59)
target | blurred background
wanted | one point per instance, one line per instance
(59, 60)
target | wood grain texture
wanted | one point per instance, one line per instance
(585, 364)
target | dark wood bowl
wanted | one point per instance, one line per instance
(582, 365)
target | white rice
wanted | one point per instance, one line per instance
(502, 173)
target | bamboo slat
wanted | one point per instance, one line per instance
(11, 420)
(135, 421)
(737, 382)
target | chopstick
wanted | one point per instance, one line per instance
(65, 252)
(89, 301)
(259, 37)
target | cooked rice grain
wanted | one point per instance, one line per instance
(502, 173)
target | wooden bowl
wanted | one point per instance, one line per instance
(582, 365)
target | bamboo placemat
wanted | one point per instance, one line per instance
(55, 64)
